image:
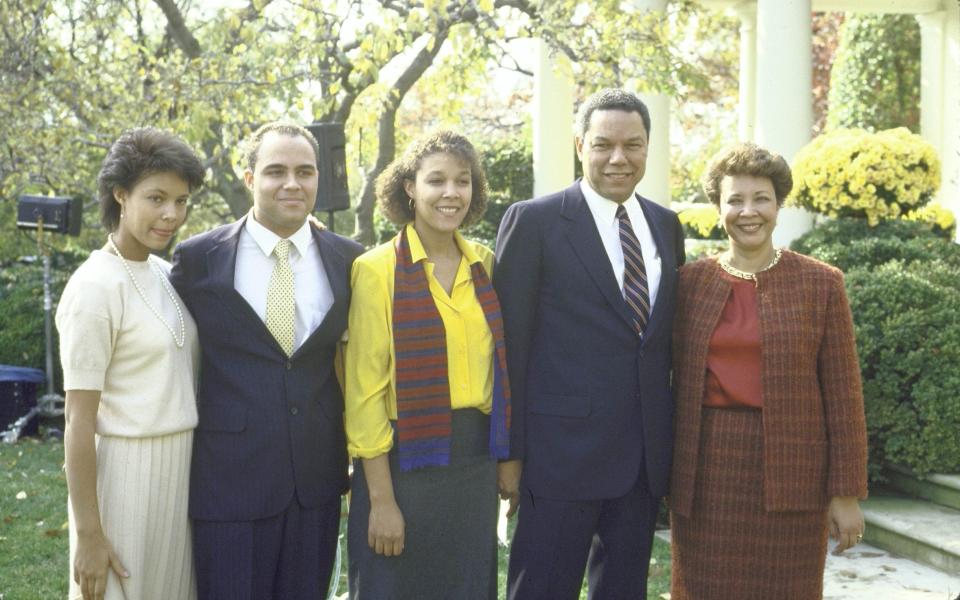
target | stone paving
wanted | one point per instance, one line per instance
(868, 573)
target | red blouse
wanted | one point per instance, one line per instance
(733, 359)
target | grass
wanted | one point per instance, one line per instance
(34, 542)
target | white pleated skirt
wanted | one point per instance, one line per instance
(142, 488)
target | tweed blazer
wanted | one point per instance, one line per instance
(814, 431)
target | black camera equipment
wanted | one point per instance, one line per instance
(332, 190)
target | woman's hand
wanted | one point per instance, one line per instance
(845, 521)
(93, 558)
(386, 528)
(94, 553)
(508, 483)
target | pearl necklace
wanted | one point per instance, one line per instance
(166, 286)
(726, 266)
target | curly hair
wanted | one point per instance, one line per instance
(747, 158)
(139, 153)
(251, 146)
(392, 197)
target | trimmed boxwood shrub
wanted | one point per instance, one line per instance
(907, 320)
(904, 292)
(849, 243)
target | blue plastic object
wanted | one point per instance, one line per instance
(21, 374)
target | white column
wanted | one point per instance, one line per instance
(655, 184)
(553, 149)
(950, 189)
(932, 56)
(747, 105)
(784, 92)
(940, 96)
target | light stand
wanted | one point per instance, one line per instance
(66, 219)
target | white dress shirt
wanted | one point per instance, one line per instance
(255, 260)
(605, 216)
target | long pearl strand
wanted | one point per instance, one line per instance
(166, 286)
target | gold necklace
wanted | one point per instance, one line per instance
(726, 266)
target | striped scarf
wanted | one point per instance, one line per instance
(420, 349)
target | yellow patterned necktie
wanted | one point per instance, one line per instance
(281, 305)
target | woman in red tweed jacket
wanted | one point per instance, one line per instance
(770, 445)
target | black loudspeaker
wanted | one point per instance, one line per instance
(332, 189)
(58, 214)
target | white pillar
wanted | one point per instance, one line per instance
(940, 96)
(932, 56)
(553, 149)
(655, 184)
(784, 109)
(950, 189)
(747, 105)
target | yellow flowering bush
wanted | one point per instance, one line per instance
(698, 218)
(939, 217)
(856, 173)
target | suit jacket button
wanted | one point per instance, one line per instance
(294, 410)
(289, 365)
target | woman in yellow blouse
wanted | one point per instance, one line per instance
(427, 398)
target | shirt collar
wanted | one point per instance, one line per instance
(417, 253)
(603, 209)
(267, 240)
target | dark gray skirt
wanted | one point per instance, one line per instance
(450, 515)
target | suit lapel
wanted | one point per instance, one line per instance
(588, 246)
(334, 266)
(668, 267)
(221, 269)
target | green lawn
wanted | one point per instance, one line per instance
(33, 521)
(33, 528)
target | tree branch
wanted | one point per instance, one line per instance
(387, 132)
(178, 28)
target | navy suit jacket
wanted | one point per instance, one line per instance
(270, 426)
(592, 403)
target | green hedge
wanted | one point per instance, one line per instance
(907, 320)
(904, 293)
(21, 316)
(849, 244)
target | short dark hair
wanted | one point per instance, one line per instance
(611, 99)
(392, 197)
(139, 153)
(747, 158)
(251, 146)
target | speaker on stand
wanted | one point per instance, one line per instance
(332, 190)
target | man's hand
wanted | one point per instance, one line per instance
(845, 521)
(508, 483)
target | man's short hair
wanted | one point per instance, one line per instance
(251, 146)
(611, 99)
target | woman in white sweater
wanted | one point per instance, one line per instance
(130, 354)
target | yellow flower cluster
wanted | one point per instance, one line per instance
(856, 173)
(702, 218)
(937, 216)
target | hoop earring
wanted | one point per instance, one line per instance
(412, 204)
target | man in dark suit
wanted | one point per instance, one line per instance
(587, 278)
(270, 295)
